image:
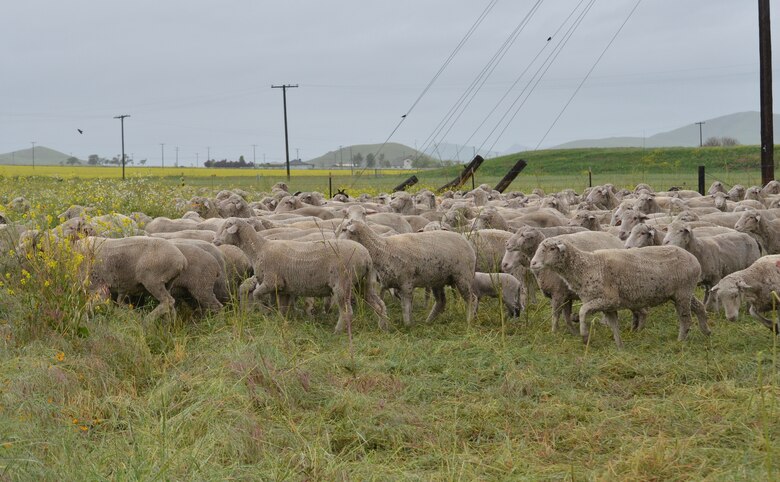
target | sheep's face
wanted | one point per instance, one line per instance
(549, 255)
(720, 201)
(585, 219)
(356, 212)
(728, 292)
(350, 230)
(736, 193)
(228, 233)
(749, 222)
(511, 260)
(287, 204)
(644, 204)
(754, 193)
(398, 204)
(641, 235)
(678, 235)
(628, 221)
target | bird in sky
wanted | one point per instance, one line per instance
(549, 38)
(403, 116)
(80, 131)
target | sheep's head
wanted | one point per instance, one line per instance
(729, 293)
(716, 186)
(351, 229)
(585, 219)
(356, 212)
(772, 187)
(720, 200)
(687, 216)
(750, 222)
(736, 193)
(641, 235)
(288, 203)
(230, 232)
(754, 193)
(550, 254)
(678, 235)
(628, 221)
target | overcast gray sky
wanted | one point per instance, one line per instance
(197, 73)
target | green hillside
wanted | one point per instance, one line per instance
(43, 157)
(561, 168)
(393, 152)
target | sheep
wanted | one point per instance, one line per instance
(766, 232)
(19, 204)
(134, 265)
(609, 280)
(489, 218)
(718, 255)
(205, 207)
(587, 219)
(489, 284)
(521, 247)
(199, 278)
(431, 259)
(391, 220)
(315, 268)
(166, 225)
(757, 285)
(403, 203)
(772, 187)
(233, 205)
(204, 235)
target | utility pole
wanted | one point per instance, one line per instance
(351, 162)
(765, 57)
(701, 143)
(341, 157)
(33, 153)
(208, 153)
(254, 154)
(162, 152)
(122, 121)
(177, 156)
(197, 161)
(284, 88)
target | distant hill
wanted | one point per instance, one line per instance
(43, 157)
(393, 152)
(742, 126)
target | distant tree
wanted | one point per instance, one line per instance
(241, 159)
(728, 141)
(71, 161)
(93, 160)
(712, 142)
(142, 162)
(357, 159)
(384, 163)
(370, 160)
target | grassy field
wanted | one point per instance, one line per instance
(254, 396)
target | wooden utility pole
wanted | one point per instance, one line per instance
(701, 139)
(284, 88)
(765, 57)
(122, 121)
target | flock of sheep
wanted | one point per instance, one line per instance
(481, 243)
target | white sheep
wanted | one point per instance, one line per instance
(499, 285)
(313, 269)
(609, 280)
(757, 285)
(766, 232)
(431, 259)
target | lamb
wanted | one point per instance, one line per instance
(315, 268)
(489, 284)
(609, 280)
(757, 285)
(431, 259)
(764, 231)
(718, 255)
(134, 265)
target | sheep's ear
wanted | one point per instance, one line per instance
(351, 227)
(591, 217)
(651, 232)
(758, 217)
(714, 290)
(643, 216)
(741, 285)
(232, 229)
(560, 247)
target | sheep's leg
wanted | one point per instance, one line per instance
(585, 310)
(343, 295)
(375, 302)
(407, 294)
(611, 319)
(708, 298)
(683, 308)
(440, 301)
(161, 294)
(464, 288)
(775, 327)
(701, 315)
(247, 287)
(638, 319)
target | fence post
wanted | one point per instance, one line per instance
(330, 186)
(701, 180)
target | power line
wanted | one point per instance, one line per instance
(443, 67)
(584, 79)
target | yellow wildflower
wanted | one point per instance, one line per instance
(60, 356)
